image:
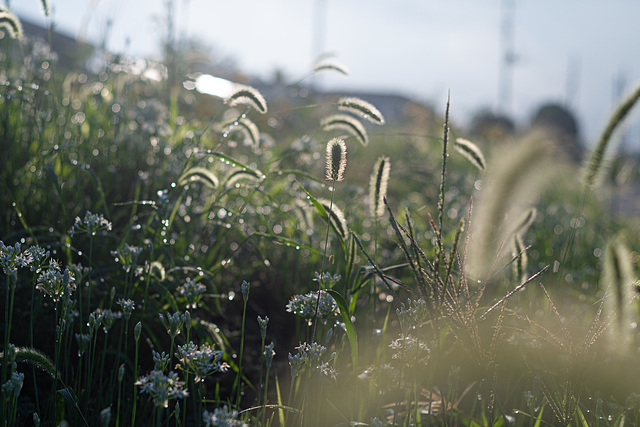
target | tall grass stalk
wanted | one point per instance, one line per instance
(238, 383)
(336, 163)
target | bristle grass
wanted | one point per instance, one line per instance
(348, 123)
(199, 174)
(246, 127)
(11, 23)
(247, 95)
(619, 278)
(595, 162)
(336, 159)
(521, 259)
(471, 152)
(250, 175)
(329, 65)
(361, 108)
(378, 183)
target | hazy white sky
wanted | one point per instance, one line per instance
(418, 48)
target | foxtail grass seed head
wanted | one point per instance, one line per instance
(521, 261)
(199, 174)
(329, 65)
(11, 24)
(346, 123)
(246, 95)
(336, 159)
(597, 159)
(362, 109)
(378, 186)
(156, 269)
(471, 152)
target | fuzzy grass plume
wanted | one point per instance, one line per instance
(10, 23)
(246, 128)
(618, 279)
(362, 108)
(378, 186)
(249, 175)
(521, 259)
(348, 123)
(198, 174)
(471, 152)
(518, 175)
(328, 65)
(336, 159)
(246, 95)
(596, 160)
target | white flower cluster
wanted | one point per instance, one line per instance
(222, 417)
(305, 305)
(55, 283)
(310, 356)
(413, 315)
(162, 387)
(13, 257)
(192, 291)
(173, 323)
(91, 224)
(201, 361)
(127, 256)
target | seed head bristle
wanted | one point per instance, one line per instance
(348, 123)
(251, 176)
(200, 175)
(362, 108)
(526, 221)
(471, 152)
(329, 65)
(248, 129)
(248, 96)
(336, 159)
(521, 261)
(11, 23)
(595, 163)
(619, 278)
(378, 186)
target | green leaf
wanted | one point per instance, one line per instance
(351, 330)
(324, 215)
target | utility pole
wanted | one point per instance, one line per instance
(319, 36)
(507, 59)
